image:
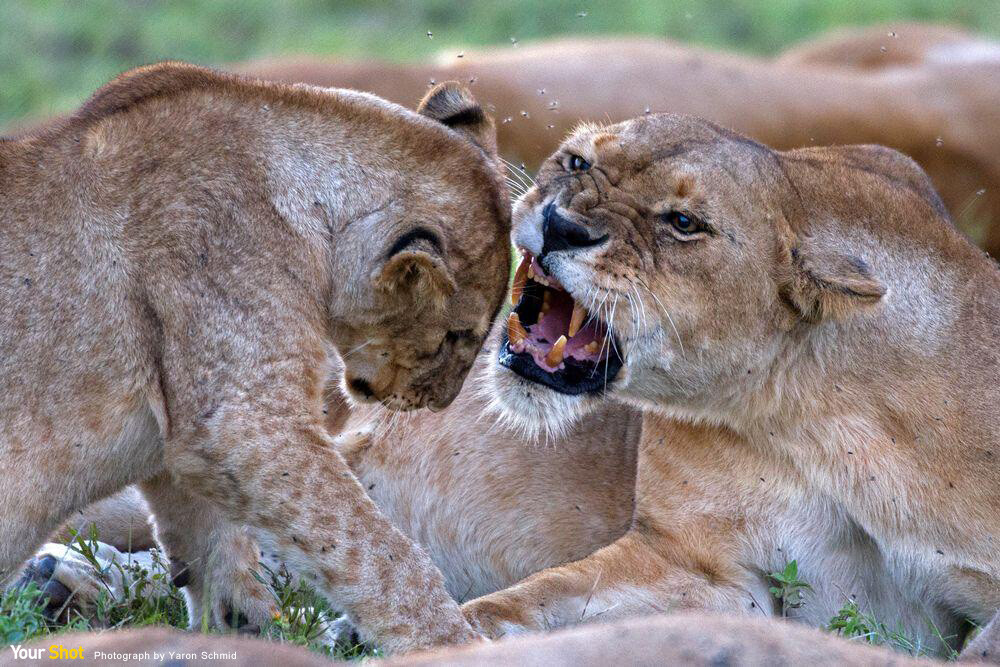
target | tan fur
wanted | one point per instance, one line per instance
(940, 109)
(121, 520)
(495, 507)
(823, 390)
(179, 259)
(678, 639)
(490, 506)
(985, 647)
(539, 505)
(888, 45)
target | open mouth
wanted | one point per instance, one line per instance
(552, 340)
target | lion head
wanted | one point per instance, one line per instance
(675, 264)
(397, 221)
(438, 279)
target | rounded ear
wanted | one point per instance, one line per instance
(451, 104)
(822, 283)
(417, 276)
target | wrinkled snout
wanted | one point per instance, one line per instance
(561, 232)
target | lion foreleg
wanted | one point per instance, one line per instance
(630, 577)
(214, 561)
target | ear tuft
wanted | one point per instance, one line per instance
(417, 278)
(825, 285)
(451, 104)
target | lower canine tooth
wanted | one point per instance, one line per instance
(555, 355)
(515, 330)
(576, 320)
(591, 347)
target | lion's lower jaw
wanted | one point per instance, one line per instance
(531, 410)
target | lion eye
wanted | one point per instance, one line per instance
(684, 224)
(577, 163)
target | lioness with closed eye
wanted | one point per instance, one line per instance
(179, 261)
(815, 351)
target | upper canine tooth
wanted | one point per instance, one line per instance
(520, 280)
(555, 355)
(576, 319)
(515, 330)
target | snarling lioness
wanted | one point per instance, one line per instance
(179, 259)
(815, 350)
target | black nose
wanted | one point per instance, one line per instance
(558, 233)
(363, 387)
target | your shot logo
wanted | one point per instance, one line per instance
(54, 652)
(60, 652)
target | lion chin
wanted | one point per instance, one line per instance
(531, 410)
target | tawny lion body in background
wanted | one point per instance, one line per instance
(892, 45)
(178, 260)
(941, 109)
(676, 639)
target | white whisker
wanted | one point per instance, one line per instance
(665, 312)
(359, 348)
(642, 306)
(609, 337)
(527, 182)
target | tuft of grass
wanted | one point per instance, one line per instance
(304, 616)
(852, 622)
(150, 598)
(788, 587)
(22, 615)
(136, 605)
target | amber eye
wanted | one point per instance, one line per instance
(577, 163)
(684, 224)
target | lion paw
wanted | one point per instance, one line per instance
(75, 579)
(493, 619)
(233, 586)
(340, 633)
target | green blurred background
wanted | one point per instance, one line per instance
(54, 53)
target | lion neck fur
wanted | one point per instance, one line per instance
(906, 384)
